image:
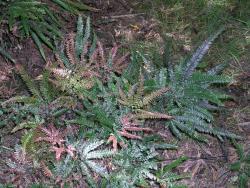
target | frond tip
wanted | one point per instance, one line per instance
(199, 53)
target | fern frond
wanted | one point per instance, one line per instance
(28, 125)
(142, 114)
(19, 99)
(5, 54)
(99, 154)
(28, 143)
(64, 101)
(199, 53)
(70, 49)
(88, 154)
(92, 146)
(29, 82)
(86, 34)
(45, 87)
(152, 96)
(217, 69)
(203, 79)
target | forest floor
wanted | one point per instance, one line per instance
(143, 26)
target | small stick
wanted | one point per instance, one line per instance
(123, 16)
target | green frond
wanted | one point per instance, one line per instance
(102, 118)
(199, 53)
(46, 88)
(136, 97)
(97, 168)
(91, 146)
(206, 79)
(99, 154)
(64, 101)
(81, 40)
(64, 168)
(29, 82)
(196, 111)
(19, 99)
(28, 125)
(28, 143)
(79, 37)
(38, 44)
(203, 94)
(5, 54)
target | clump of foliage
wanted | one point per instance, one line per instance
(138, 166)
(44, 104)
(241, 166)
(82, 61)
(20, 170)
(193, 95)
(35, 18)
(84, 87)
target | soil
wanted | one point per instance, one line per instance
(119, 22)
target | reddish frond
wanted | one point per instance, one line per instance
(129, 135)
(113, 139)
(114, 51)
(101, 53)
(84, 53)
(70, 49)
(53, 135)
(119, 65)
(144, 129)
(46, 171)
(70, 150)
(59, 151)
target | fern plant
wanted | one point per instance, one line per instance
(123, 117)
(86, 161)
(192, 95)
(44, 105)
(83, 61)
(36, 19)
(20, 169)
(137, 166)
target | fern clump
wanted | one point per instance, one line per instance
(83, 61)
(193, 95)
(86, 160)
(138, 166)
(35, 18)
(43, 105)
(19, 169)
